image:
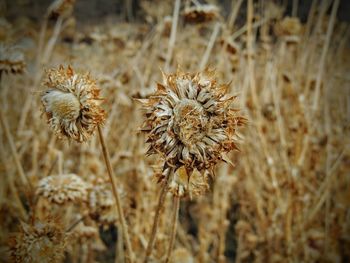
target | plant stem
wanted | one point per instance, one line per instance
(172, 38)
(124, 227)
(14, 153)
(156, 218)
(173, 227)
(69, 229)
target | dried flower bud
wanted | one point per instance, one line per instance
(11, 60)
(200, 14)
(182, 255)
(72, 104)
(43, 242)
(84, 232)
(61, 189)
(61, 8)
(190, 121)
(288, 27)
(101, 203)
(190, 183)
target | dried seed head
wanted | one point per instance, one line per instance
(72, 104)
(61, 8)
(190, 121)
(44, 242)
(61, 189)
(191, 183)
(200, 13)
(83, 233)
(101, 202)
(182, 255)
(11, 60)
(289, 26)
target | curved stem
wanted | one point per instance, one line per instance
(124, 227)
(25, 179)
(173, 227)
(75, 223)
(156, 219)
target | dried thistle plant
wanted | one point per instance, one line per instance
(101, 205)
(11, 60)
(190, 121)
(201, 13)
(72, 103)
(61, 8)
(43, 241)
(61, 189)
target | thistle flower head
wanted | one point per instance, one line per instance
(101, 202)
(84, 232)
(61, 8)
(190, 121)
(61, 189)
(11, 60)
(44, 242)
(72, 103)
(201, 13)
(289, 26)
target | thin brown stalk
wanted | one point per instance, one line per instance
(124, 227)
(324, 54)
(173, 227)
(210, 46)
(14, 153)
(156, 220)
(75, 223)
(172, 38)
(232, 18)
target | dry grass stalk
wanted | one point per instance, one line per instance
(173, 228)
(130, 255)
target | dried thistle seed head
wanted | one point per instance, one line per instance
(11, 60)
(61, 189)
(72, 104)
(188, 183)
(101, 202)
(182, 255)
(190, 121)
(83, 233)
(44, 242)
(289, 26)
(200, 13)
(61, 8)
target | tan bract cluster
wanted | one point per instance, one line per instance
(182, 255)
(101, 203)
(190, 121)
(61, 8)
(289, 26)
(200, 13)
(72, 103)
(44, 242)
(192, 184)
(61, 189)
(84, 232)
(11, 60)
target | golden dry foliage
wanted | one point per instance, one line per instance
(286, 196)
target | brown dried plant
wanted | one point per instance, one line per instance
(44, 242)
(286, 199)
(72, 104)
(190, 122)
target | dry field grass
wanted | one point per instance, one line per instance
(283, 197)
